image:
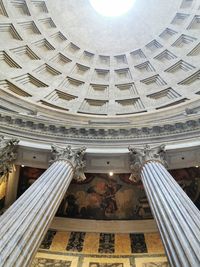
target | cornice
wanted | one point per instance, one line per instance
(33, 128)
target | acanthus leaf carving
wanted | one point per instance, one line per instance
(7, 154)
(73, 156)
(140, 156)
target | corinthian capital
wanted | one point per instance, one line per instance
(73, 156)
(140, 156)
(7, 154)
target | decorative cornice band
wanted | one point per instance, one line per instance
(48, 130)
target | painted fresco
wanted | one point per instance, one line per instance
(102, 243)
(53, 259)
(106, 243)
(102, 197)
(152, 262)
(27, 177)
(47, 240)
(3, 186)
(156, 264)
(114, 264)
(76, 241)
(138, 244)
(38, 262)
(83, 249)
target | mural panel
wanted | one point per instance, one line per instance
(27, 177)
(116, 198)
(46, 243)
(108, 251)
(102, 197)
(114, 264)
(106, 262)
(53, 259)
(102, 243)
(76, 241)
(152, 262)
(50, 263)
(138, 244)
(156, 264)
(3, 186)
(107, 243)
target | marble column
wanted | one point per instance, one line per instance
(11, 188)
(24, 224)
(177, 218)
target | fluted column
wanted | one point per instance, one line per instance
(24, 224)
(177, 217)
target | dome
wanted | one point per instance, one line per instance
(67, 60)
(113, 36)
(107, 77)
(87, 101)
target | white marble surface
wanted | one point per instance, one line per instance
(137, 226)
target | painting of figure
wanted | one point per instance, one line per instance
(105, 192)
(101, 197)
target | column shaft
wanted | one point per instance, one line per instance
(177, 217)
(12, 184)
(24, 224)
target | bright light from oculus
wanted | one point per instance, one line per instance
(112, 8)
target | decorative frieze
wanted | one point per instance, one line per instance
(23, 125)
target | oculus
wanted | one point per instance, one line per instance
(112, 8)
